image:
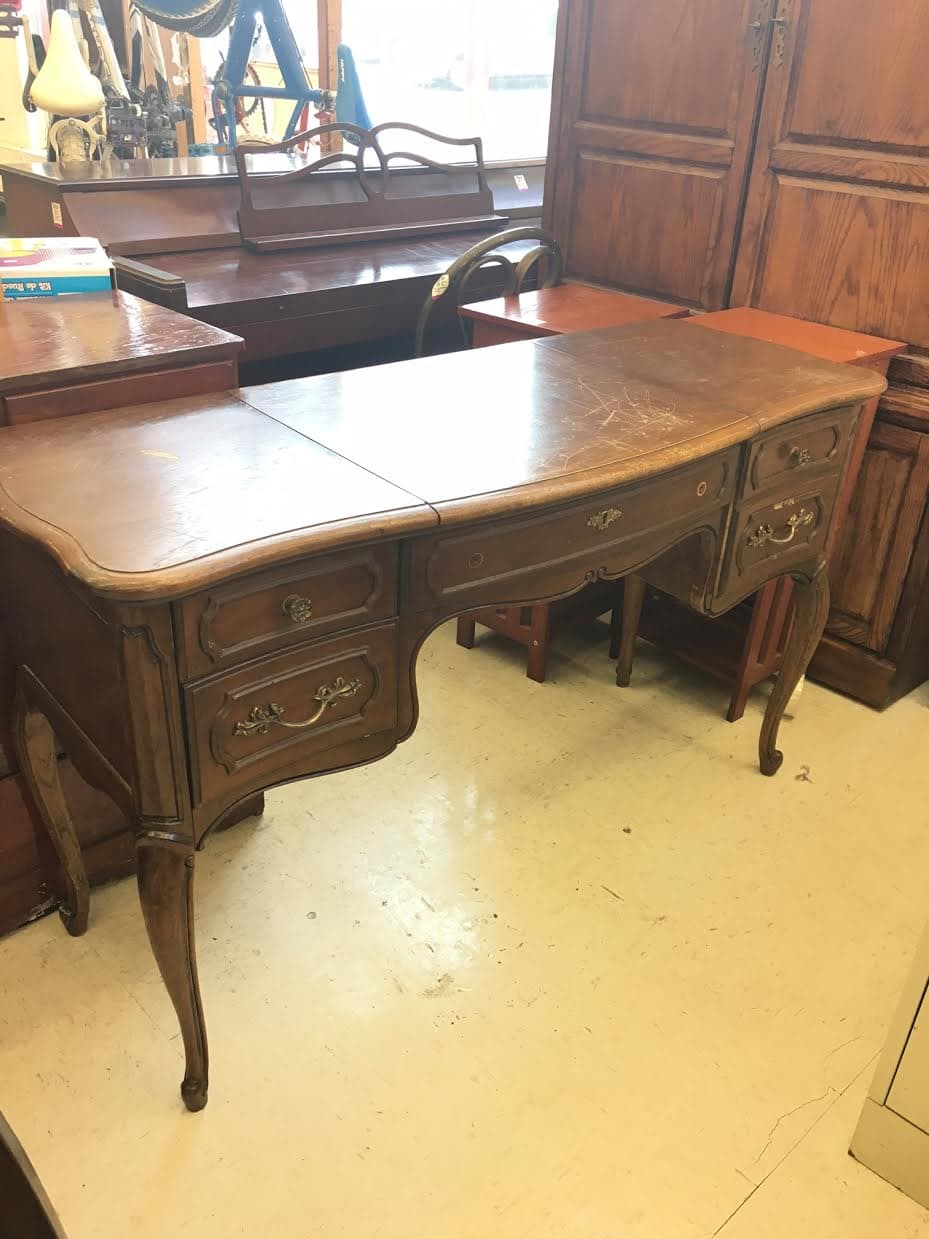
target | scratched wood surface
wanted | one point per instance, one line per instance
(571, 413)
(192, 489)
(199, 488)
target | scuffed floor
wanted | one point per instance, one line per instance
(565, 965)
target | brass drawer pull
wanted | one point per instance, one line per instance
(800, 456)
(297, 608)
(261, 718)
(603, 520)
(765, 533)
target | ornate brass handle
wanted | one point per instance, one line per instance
(765, 533)
(800, 456)
(603, 520)
(297, 608)
(262, 718)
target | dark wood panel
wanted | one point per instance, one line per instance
(648, 149)
(645, 225)
(641, 65)
(843, 253)
(873, 556)
(836, 226)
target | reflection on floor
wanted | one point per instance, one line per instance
(565, 965)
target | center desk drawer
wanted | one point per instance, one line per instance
(265, 611)
(277, 718)
(570, 541)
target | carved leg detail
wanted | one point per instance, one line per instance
(633, 597)
(34, 741)
(811, 610)
(166, 874)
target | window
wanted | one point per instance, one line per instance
(479, 68)
(464, 68)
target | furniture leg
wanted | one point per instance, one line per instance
(34, 742)
(539, 642)
(165, 875)
(633, 597)
(754, 639)
(811, 609)
(466, 626)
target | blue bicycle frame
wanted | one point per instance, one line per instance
(231, 85)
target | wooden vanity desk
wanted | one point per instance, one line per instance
(251, 585)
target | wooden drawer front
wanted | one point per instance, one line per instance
(777, 534)
(125, 390)
(806, 447)
(241, 723)
(579, 536)
(269, 610)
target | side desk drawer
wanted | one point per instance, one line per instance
(271, 720)
(579, 537)
(771, 535)
(243, 619)
(806, 446)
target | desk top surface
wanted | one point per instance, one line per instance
(162, 500)
(50, 341)
(233, 275)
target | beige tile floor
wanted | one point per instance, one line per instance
(565, 965)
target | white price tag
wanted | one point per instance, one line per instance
(521, 183)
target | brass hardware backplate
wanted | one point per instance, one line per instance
(603, 520)
(765, 533)
(298, 609)
(262, 718)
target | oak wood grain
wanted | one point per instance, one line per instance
(649, 147)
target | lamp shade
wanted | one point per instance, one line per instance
(64, 86)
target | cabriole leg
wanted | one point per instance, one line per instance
(811, 610)
(166, 875)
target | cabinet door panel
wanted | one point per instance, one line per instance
(876, 544)
(836, 225)
(648, 150)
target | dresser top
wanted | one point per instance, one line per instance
(51, 341)
(165, 499)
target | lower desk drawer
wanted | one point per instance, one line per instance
(521, 558)
(769, 537)
(273, 719)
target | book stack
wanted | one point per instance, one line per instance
(52, 267)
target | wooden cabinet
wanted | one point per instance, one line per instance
(774, 154)
(649, 147)
(836, 225)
